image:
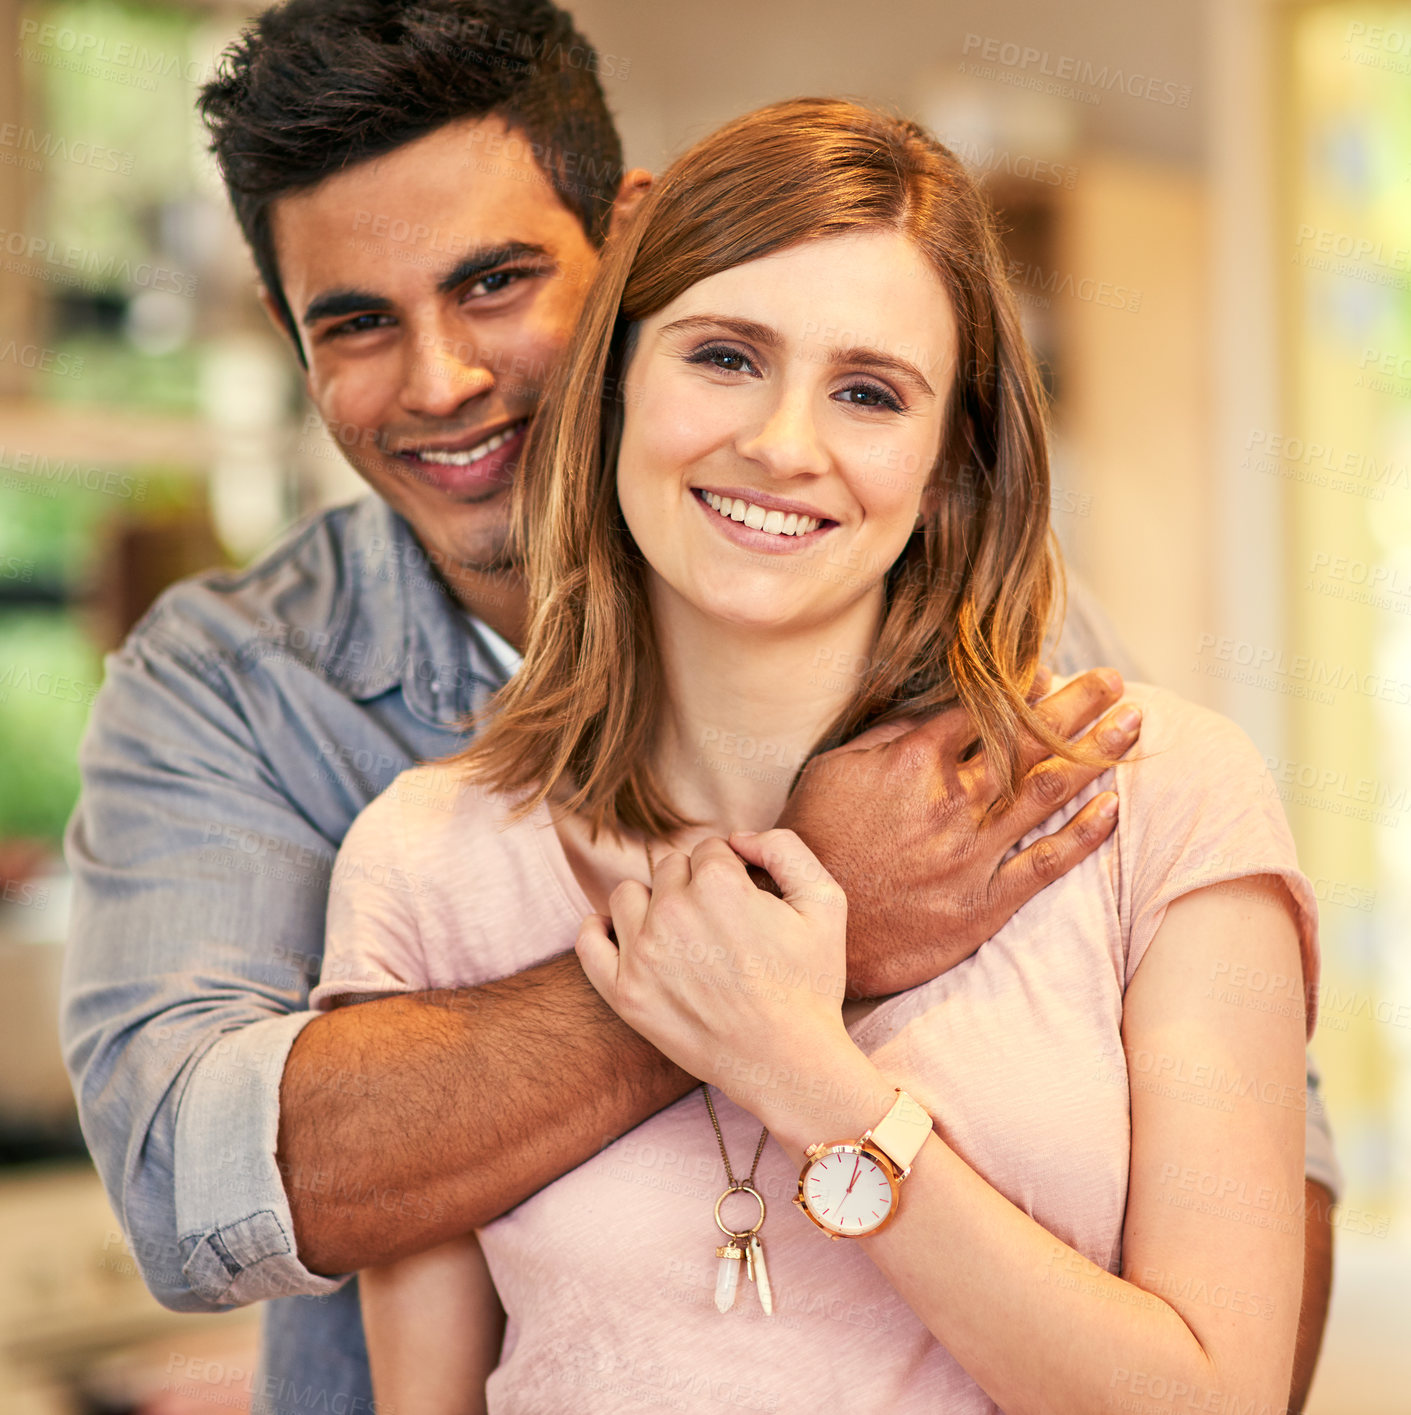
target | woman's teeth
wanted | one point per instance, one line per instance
(774, 523)
(470, 454)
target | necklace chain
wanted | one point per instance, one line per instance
(710, 1105)
(720, 1140)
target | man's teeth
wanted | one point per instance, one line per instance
(471, 454)
(774, 523)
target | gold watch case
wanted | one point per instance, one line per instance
(815, 1153)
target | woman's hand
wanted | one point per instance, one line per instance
(736, 986)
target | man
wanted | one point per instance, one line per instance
(425, 191)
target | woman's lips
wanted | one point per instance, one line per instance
(776, 542)
(484, 466)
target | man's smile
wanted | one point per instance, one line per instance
(477, 460)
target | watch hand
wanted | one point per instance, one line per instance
(856, 1165)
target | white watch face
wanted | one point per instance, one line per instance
(848, 1191)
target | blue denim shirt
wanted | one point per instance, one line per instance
(241, 728)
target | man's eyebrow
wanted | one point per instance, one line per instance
(334, 303)
(484, 259)
(765, 337)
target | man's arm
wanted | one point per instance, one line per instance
(245, 1159)
(476, 1098)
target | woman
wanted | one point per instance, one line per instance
(791, 483)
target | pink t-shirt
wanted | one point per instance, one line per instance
(607, 1275)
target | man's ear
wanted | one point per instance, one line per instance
(635, 184)
(276, 317)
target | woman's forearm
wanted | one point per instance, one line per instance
(1035, 1323)
(434, 1325)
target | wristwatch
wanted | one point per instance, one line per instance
(852, 1188)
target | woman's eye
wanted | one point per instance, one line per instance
(869, 395)
(718, 356)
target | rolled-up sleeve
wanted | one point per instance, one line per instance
(200, 891)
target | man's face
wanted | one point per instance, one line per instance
(434, 289)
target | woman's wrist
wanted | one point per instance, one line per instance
(821, 1096)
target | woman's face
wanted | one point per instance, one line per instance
(781, 421)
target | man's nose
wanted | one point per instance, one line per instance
(789, 441)
(441, 373)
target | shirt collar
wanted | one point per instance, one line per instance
(403, 629)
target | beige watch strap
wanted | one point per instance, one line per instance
(902, 1131)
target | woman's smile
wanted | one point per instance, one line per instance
(780, 397)
(761, 522)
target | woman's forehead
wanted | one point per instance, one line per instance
(872, 289)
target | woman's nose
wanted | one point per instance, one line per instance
(789, 441)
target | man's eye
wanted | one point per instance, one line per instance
(722, 357)
(360, 323)
(496, 281)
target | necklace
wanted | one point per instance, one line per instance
(743, 1245)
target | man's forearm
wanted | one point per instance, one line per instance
(409, 1119)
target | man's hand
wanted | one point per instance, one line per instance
(907, 821)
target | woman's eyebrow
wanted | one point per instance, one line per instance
(749, 329)
(859, 355)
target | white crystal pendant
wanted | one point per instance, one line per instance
(727, 1277)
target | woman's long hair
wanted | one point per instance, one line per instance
(969, 599)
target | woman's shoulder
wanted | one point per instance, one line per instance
(1197, 806)
(434, 816)
(1192, 760)
(440, 798)
(1193, 779)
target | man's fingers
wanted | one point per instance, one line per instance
(1018, 880)
(1054, 782)
(877, 736)
(1073, 706)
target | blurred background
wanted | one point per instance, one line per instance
(1208, 208)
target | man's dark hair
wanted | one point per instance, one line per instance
(312, 87)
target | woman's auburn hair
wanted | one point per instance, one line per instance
(969, 600)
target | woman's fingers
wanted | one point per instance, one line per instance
(598, 955)
(798, 872)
